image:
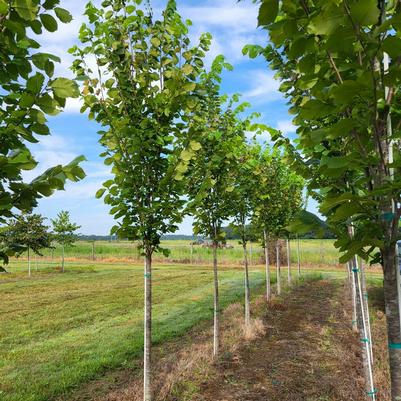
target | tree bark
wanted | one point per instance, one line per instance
(298, 258)
(247, 288)
(289, 261)
(62, 258)
(267, 266)
(147, 346)
(36, 262)
(250, 253)
(29, 262)
(278, 267)
(390, 271)
(216, 309)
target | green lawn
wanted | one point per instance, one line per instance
(59, 330)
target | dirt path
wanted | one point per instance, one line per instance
(308, 353)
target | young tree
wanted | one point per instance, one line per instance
(64, 232)
(30, 233)
(339, 63)
(142, 92)
(276, 192)
(28, 92)
(211, 175)
(244, 194)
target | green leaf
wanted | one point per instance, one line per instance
(64, 88)
(3, 7)
(63, 15)
(392, 46)
(34, 84)
(49, 22)
(365, 12)
(314, 109)
(268, 12)
(25, 9)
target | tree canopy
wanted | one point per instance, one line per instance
(29, 92)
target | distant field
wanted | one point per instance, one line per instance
(317, 252)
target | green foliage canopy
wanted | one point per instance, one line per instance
(142, 91)
(27, 231)
(64, 231)
(29, 92)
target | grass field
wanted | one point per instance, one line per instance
(60, 330)
(311, 251)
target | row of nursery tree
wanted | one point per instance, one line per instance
(339, 67)
(28, 233)
(175, 145)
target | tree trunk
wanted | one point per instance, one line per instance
(278, 267)
(289, 261)
(29, 262)
(62, 258)
(216, 326)
(147, 346)
(298, 258)
(390, 271)
(250, 253)
(247, 288)
(192, 254)
(267, 266)
(36, 262)
(52, 255)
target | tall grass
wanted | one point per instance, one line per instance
(317, 252)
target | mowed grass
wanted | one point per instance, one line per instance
(59, 330)
(311, 251)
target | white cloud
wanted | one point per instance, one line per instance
(73, 106)
(263, 86)
(286, 126)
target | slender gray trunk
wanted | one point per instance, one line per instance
(247, 288)
(289, 261)
(52, 255)
(250, 253)
(192, 254)
(390, 271)
(29, 261)
(147, 346)
(36, 262)
(298, 258)
(62, 258)
(267, 266)
(278, 267)
(216, 309)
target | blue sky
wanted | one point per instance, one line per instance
(232, 25)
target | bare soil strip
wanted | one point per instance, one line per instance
(301, 348)
(308, 353)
